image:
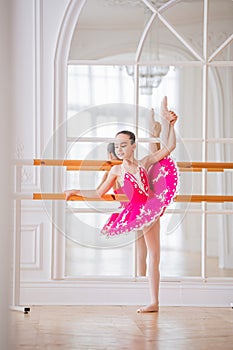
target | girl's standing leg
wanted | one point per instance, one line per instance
(141, 254)
(152, 239)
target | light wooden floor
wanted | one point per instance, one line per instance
(120, 327)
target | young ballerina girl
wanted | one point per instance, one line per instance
(145, 205)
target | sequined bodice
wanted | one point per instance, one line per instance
(134, 185)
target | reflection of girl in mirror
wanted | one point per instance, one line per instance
(145, 205)
(112, 156)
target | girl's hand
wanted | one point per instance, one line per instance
(172, 122)
(70, 193)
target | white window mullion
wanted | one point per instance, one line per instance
(143, 37)
(204, 144)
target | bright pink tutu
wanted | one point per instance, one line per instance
(145, 203)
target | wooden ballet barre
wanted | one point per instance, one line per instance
(203, 198)
(197, 170)
(213, 166)
(106, 165)
(76, 163)
(103, 167)
(62, 196)
(122, 198)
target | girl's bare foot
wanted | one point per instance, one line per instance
(169, 115)
(164, 110)
(149, 308)
(155, 126)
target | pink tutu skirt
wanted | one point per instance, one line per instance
(148, 197)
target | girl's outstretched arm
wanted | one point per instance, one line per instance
(100, 191)
(110, 181)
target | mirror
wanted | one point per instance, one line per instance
(109, 55)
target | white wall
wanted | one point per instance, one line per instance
(36, 28)
(5, 122)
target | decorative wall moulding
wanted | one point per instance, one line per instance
(32, 252)
(19, 150)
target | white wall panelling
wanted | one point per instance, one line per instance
(31, 236)
(36, 245)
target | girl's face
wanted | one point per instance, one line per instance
(123, 147)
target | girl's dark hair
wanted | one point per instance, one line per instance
(111, 149)
(130, 134)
